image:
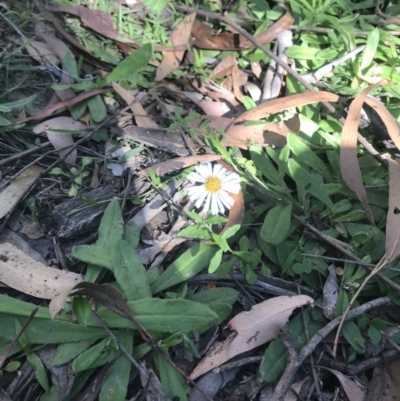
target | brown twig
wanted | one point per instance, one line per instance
(24, 153)
(294, 363)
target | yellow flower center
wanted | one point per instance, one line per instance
(213, 184)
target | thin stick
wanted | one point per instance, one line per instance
(24, 153)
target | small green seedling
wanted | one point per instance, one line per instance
(76, 175)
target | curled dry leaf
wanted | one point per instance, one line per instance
(39, 49)
(349, 166)
(21, 272)
(392, 247)
(141, 117)
(353, 392)
(251, 329)
(180, 36)
(61, 141)
(330, 294)
(10, 196)
(277, 105)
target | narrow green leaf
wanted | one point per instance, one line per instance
(129, 272)
(265, 166)
(370, 49)
(39, 369)
(276, 226)
(85, 360)
(173, 383)
(131, 234)
(69, 351)
(353, 335)
(111, 228)
(225, 294)
(94, 254)
(129, 67)
(163, 315)
(115, 386)
(186, 266)
(215, 261)
(306, 184)
(301, 149)
(302, 52)
(82, 309)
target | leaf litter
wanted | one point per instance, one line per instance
(193, 91)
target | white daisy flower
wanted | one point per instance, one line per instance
(216, 183)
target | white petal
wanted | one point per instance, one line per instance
(220, 204)
(203, 170)
(214, 205)
(210, 169)
(207, 203)
(232, 188)
(217, 170)
(195, 192)
(225, 199)
(231, 177)
(201, 199)
(195, 177)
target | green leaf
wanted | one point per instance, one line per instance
(225, 294)
(231, 231)
(86, 359)
(247, 257)
(163, 315)
(39, 369)
(173, 383)
(129, 67)
(353, 335)
(276, 226)
(115, 386)
(370, 49)
(186, 266)
(306, 184)
(69, 351)
(111, 228)
(97, 108)
(265, 166)
(275, 357)
(301, 149)
(130, 272)
(302, 52)
(47, 331)
(195, 231)
(86, 160)
(132, 234)
(96, 255)
(374, 334)
(18, 104)
(82, 309)
(215, 261)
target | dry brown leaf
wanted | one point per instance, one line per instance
(21, 272)
(349, 166)
(387, 118)
(239, 78)
(271, 134)
(61, 141)
(251, 329)
(392, 247)
(385, 383)
(277, 105)
(178, 163)
(37, 49)
(140, 114)
(213, 109)
(223, 68)
(353, 392)
(296, 387)
(180, 36)
(205, 37)
(10, 196)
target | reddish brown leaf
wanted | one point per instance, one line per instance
(271, 134)
(392, 248)
(277, 105)
(66, 103)
(180, 36)
(349, 166)
(256, 327)
(205, 37)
